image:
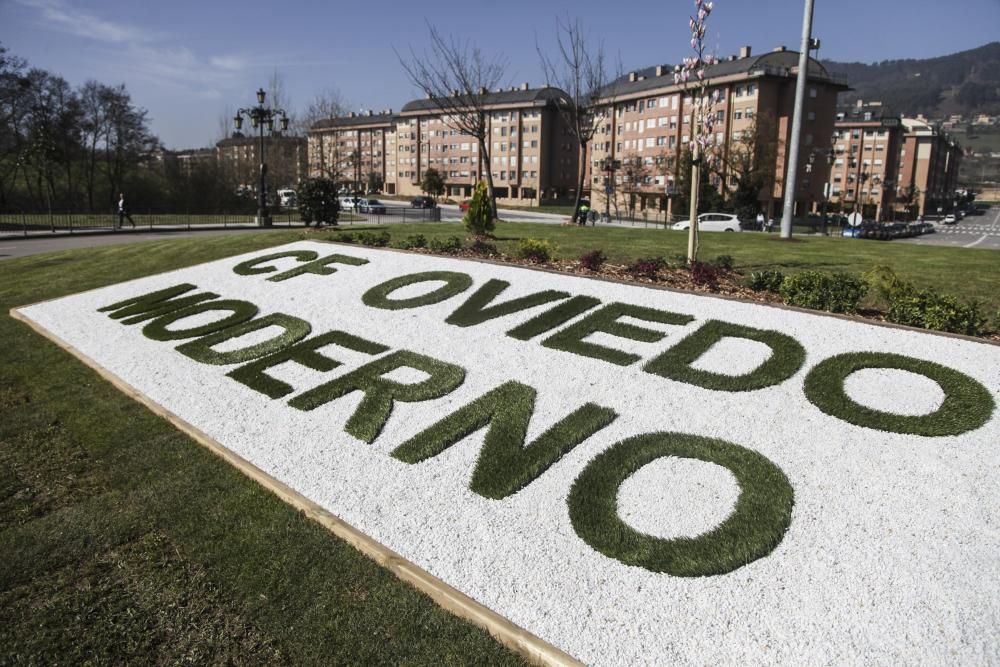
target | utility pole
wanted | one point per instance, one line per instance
(791, 174)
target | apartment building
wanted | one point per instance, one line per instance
(928, 167)
(867, 140)
(354, 149)
(648, 119)
(533, 157)
(286, 159)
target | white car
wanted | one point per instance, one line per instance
(349, 203)
(712, 222)
(950, 219)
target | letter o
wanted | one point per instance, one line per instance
(967, 404)
(754, 529)
(241, 311)
(455, 283)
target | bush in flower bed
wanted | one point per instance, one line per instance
(835, 292)
(344, 237)
(723, 262)
(535, 250)
(647, 267)
(593, 260)
(415, 241)
(766, 281)
(705, 273)
(375, 240)
(449, 245)
(941, 312)
(481, 246)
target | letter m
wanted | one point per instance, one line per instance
(155, 304)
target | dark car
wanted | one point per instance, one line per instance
(423, 202)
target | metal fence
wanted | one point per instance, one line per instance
(21, 223)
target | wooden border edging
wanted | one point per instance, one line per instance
(446, 596)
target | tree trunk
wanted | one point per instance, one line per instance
(580, 179)
(484, 155)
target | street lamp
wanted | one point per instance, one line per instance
(261, 117)
(830, 154)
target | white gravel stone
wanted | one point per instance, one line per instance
(892, 552)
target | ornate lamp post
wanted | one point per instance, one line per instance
(830, 155)
(261, 117)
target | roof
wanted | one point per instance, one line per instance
(358, 120)
(876, 112)
(253, 139)
(516, 97)
(772, 63)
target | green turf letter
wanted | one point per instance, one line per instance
(305, 354)
(368, 420)
(505, 465)
(201, 350)
(967, 404)
(553, 317)
(455, 283)
(242, 311)
(605, 320)
(319, 267)
(787, 357)
(756, 526)
(477, 310)
(250, 268)
(154, 304)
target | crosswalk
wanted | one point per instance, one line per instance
(973, 229)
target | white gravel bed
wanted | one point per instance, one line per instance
(893, 551)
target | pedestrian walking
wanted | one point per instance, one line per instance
(123, 213)
(760, 221)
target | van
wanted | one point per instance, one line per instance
(287, 198)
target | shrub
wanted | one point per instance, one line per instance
(647, 267)
(344, 237)
(377, 240)
(481, 246)
(478, 220)
(593, 260)
(704, 273)
(536, 250)
(723, 262)
(318, 201)
(765, 281)
(677, 261)
(415, 241)
(452, 244)
(927, 309)
(837, 292)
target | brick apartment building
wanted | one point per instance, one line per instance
(532, 155)
(286, 160)
(867, 139)
(928, 167)
(649, 119)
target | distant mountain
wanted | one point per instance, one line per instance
(964, 83)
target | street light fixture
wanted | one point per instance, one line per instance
(261, 117)
(610, 166)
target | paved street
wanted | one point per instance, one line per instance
(974, 231)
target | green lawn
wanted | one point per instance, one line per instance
(125, 541)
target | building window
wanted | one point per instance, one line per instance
(812, 92)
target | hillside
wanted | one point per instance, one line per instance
(961, 83)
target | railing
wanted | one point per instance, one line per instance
(24, 223)
(385, 215)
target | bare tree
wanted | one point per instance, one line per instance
(635, 173)
(748, 164)
(327, 104)
(457, 77)
(581, 71)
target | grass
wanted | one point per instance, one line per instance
(125, 541)
(964, 272)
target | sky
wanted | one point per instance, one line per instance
(192, 63)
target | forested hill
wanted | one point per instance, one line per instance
(962, 83)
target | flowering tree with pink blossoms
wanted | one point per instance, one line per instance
(690, 75)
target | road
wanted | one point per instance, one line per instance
(973, 231)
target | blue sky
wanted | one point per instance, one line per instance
(190, 62)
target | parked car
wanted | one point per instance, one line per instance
(371, 206)
(349, 203)
(712, 222)
(950, 219)
(287, 198)
(423, 202)
(464, 206)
